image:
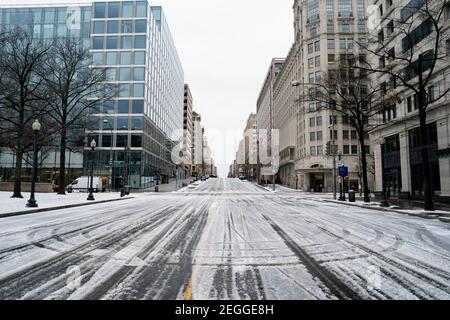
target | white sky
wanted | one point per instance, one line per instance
(225, 47)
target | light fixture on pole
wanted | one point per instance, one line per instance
(36, 128)
(384, 203)
(111, 160)
(91, 187)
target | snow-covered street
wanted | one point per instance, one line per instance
(223, 239)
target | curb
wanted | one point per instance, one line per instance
(22, 213)
(425, 216)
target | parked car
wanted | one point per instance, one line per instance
(82, 184)
(242, 178)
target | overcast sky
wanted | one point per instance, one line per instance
(225, 47)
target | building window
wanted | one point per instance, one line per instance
(99, 10)
(123, 106)
(317, 46)
(333, 120)
(125, 42)
(313, 151)
(312, 32)
(319, 121)
(312, 136)
(390, 27)
(330, 9)
(141, 26)
(111, 58)
(346, 149)
(97, 58)
(139, 42)
(125, 58)
(330, 28)
(354, 135)
(139, 58)
(360, 8)
(354, 149)
(331, 44)
(138, 90)
(122, 123)
(344, 27)
(99, 27)
(331, 58)
(106, 141)
(345, 135)
(310, 48)
(311, 62)
(139, 74)
(113, 9)
(313, 10)
(319, 136)
(125, 74)
(111, 42)
(141, 9)
(127, 26)
(113, 26)
(137, 106)
(381, 36)
(136, 141)
(312, 122)
(361, 26)
(97, 43)
(137, 123)
(127, 9)
(319, 150)
(345, 8)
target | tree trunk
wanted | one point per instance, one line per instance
(427, 188)
(18, 174)
(364, 168)
(62, 162)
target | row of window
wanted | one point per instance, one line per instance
(122, 58)
(124, 26)
(346, 150)
(121, 141)
(122, 42)
(120, 123)
(125, 74)
(119, 106)
(116, 9)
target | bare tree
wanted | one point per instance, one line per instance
(415, 67)
(347, 91)
(73, 89)
(20, 86)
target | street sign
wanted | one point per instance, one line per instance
(343, 172)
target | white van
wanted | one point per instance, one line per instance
(82, 184)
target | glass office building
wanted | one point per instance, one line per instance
(132, 41)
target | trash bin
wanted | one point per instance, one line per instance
(352, 196)
(156, 188)
(127, 190)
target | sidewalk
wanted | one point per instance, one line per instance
(51, 201)
(443, 216)
(170, 187)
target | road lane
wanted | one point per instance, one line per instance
(223, 239)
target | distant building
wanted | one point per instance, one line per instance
(264, 105)
(188, 127)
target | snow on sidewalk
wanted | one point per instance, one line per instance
(49, 200)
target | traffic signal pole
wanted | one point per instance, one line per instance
(334, 156)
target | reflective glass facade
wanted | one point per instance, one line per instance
(132, 41)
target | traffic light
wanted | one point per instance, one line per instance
(328, 148)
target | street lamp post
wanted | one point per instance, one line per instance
(91, 187)
(384, 203)
(32, 201)
(111, 160)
